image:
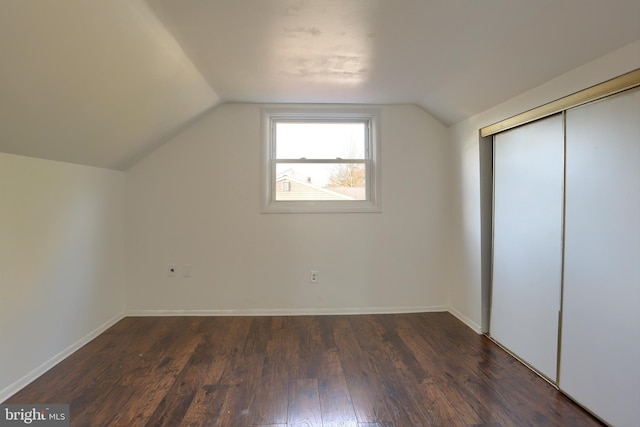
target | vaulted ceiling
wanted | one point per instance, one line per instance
(104, 83)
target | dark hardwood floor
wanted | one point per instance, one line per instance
(362, 371)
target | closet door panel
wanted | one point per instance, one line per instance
(600, 357)
(527, 246)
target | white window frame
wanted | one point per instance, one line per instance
(323, 113)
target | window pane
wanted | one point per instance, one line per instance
(324, 181)
(320, 140)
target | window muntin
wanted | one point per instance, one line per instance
(321, 161)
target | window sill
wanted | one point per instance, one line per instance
(312, 207)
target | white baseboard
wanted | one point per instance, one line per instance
(309, 312)
(288, 312)
(16, 386)
(464, 319)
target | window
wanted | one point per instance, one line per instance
(320, 160)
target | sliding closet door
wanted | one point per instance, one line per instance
(527, 245)
(600, 358)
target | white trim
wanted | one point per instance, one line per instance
(374, 172)
(19, 384)
(464, 319)
(290, 312)
(311, 312)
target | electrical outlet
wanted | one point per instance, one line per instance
(313, 278)
(172, 270)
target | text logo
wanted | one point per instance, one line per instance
(34, 415)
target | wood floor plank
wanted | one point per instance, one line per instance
(106, 409)
(156, 380)
(334, 396)
(205, 407)
(440, 411)
(271, 400)
(173, 407)
(310, 348)
(304, 404)
(278, 322)
(426, 354)
(419, 369)
(242, 392)
(245, 347)
(376, 425)
(69, 372)
(367, 394)
(398, 382)
(236, 345)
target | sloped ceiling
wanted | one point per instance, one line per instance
(99, 83)
(104, 83)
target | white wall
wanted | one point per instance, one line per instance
(61, 262)
(466, 286)
(196, 201)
